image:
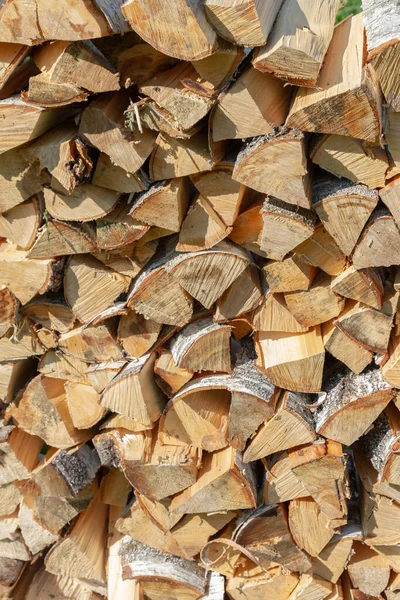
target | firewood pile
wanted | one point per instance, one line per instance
(199, 289)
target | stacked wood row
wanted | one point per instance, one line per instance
(199, 290)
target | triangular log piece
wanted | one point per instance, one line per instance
(224, 483)
(285, 227)
(296, 54)
(317, 304)
(365, 285)
(206, 274)
(50, 313)
(198, 415)
(9, 310)
(352, 404)
(169, 377)
(115, 489)
(345, 83)
(86, 203)
(332, 560)
(350, 158)
(57, 365)
(134, 393)
(254, 105)
(244, 23)
(179, 157)
(291, 425)
(276, 165)
(136, 334)
(289, 275)
(99, 375)
(41, 583)
(251, 581)
(163, 205)
(112, 177)
(20, 344)
(203, 346)
(118, 229)
(83, 404)
(22, 122)
(102, 125)
(192, 532)
(248, 227)
(345, 348)
(390, 369)
(243, 296)
(13, 378)
(90, 287)
(60, 238)
(16, 68)
(390, 195)
(310, 527)
(180, 30)
(368, 571)
(161, 574)
(292, 361)
(10, 498)
(281, 484)
(20, 178)
(274, 315)
(202, 228)
(42, 410)
(311, 586)
(383, 47)
(26, 277)
(20, 454)
(379, 243)
(392, 128)
(320, 250)
(20, 224)
(220, 66)
(343, 208)
(156, 118)
(379, 516)
(266, 535)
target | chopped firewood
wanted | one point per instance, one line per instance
(20, 178)
(102, 125)
(62, 238)
(14, 376)
(202, 346)
(379, 515)
(248, 227)
(9, 310)
(332, 560)
(296, 54)
(368, 571)
(345, 77)
(224, 483)
(292, 425)
(221, 65)
(252, 582)
(35, 536)
(50, 313)
(378, 245)
(243, 296)
(285, 227)
(101, 374)
(309, 526)
(170, 377)
(345, 348)
(365, 395)
(276, 165)
(254, 105)
(343, 208)
(392, 137)
(20, 224)
(350, 158)
(274, 315)
(110, 176)
(316, 305)
(202, 228)
(19, 343)
(16, 67)
(137, 334)
(321, 250)
(20, 452)
(266, 535)
(365, 286)
(181, 31)
(281, 484)
(163, 205)
(192, 532)
(55, 364)
(117, 230)
(289, 275)
(293, 361)
(390, 195)
(311, 586)
(83, 403)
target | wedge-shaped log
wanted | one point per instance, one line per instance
(296, 53)
(137, 334)
(202, 228)
(90, 287)
(163, 205)
(83, 404)
(20, 345)
(346, 83)
(368, 571)
(332, 560)
(110, 176)
(254, 105)
(378, 245)
(392, 128)
(203, 346)
(50, 313)
(134, 393)
(244, 23)
(20, 178)
(281, 484)
(206, 275)
(310, 527)
(20, 453)
(198, 414)
(352, 404)
(274, 315)
(242, 296)
(224, 483)
(169, 377)
(15, 70)
(285, 227)
(60, 238)
(292, 361)
(14, 376)
(350, 158)
(92, 342)
(247, 228)
(316, 305)
(276, 165)
(343, 347)
(26, 277)
(9, 310)
(252, 582)
(289, 275)
(390, 196)
(291, 425)
(343, 208)
(365, 285)
(311, 586)
(221, 65)
(20, 224)
(321, 250)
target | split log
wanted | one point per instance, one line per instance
(254, 105)
(110, 176)
(57, 365)
(390, 195)
(221, 65)
(365, 286)
(50, 313)
(363, 396)
(321, 250)
(281, 484)
(309, 526)
(182, 32)
(117, 230)
(351, 158)
(284, 227)
(378, 515)
(20, 224)
(289, 275)
(9, 310)
(311, 586)
(247, 229)
(20, 344)
(16, 67)
(99, 375)
(333, 559)
(344, 348)
(20, 453)
(84, 405)
(292, 361)
(14, 376)
(296, 54)
(254, 582)
(20, 178)
(242, 296)
(202, 228)
(276, 165)
(169, 377)
(60, 238)
(224, 483)
(378, 245)
(343, 208)
(136, 334)
(392, 127)
(163, 205)
(343, 78)
(274, 315)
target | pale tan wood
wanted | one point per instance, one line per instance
(135, 60)
(20, 344)
(222, 485)
(221, 65)
(390, 368)
(192, 532)
(20, 453)
(365, 285)
(289, 275)
(20, 178)
(321, 250)
(332, 560)
(384, 64)
(202, 228)
(384, 241)
(101, 374)
(368, 571)
(170, 377)
(310, 528)
(14, 376)
(345, 348)
(26, 277)
(390, 195)
(117, 231)
(311, 586)
(181, 31)
(378, 516)
(316, 305)
(60, 238)
(9, 310)
(343, 209)
(20, 224)
(117, 588)
(254, 104)
(392, 127)
(274, 315)
(342, 76)
(35, 536)
(114, 490)
(102, 124)
(243, 296)
(110, 176)
(292, 361)
(15, 68)
(276, 165)
(254, 583)
(281, 484)
(90, 287)
(247, 229)
(351, 158)
(54, 315)
(83, 404)
(10, 498)
(137, 334)
(57, 365)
